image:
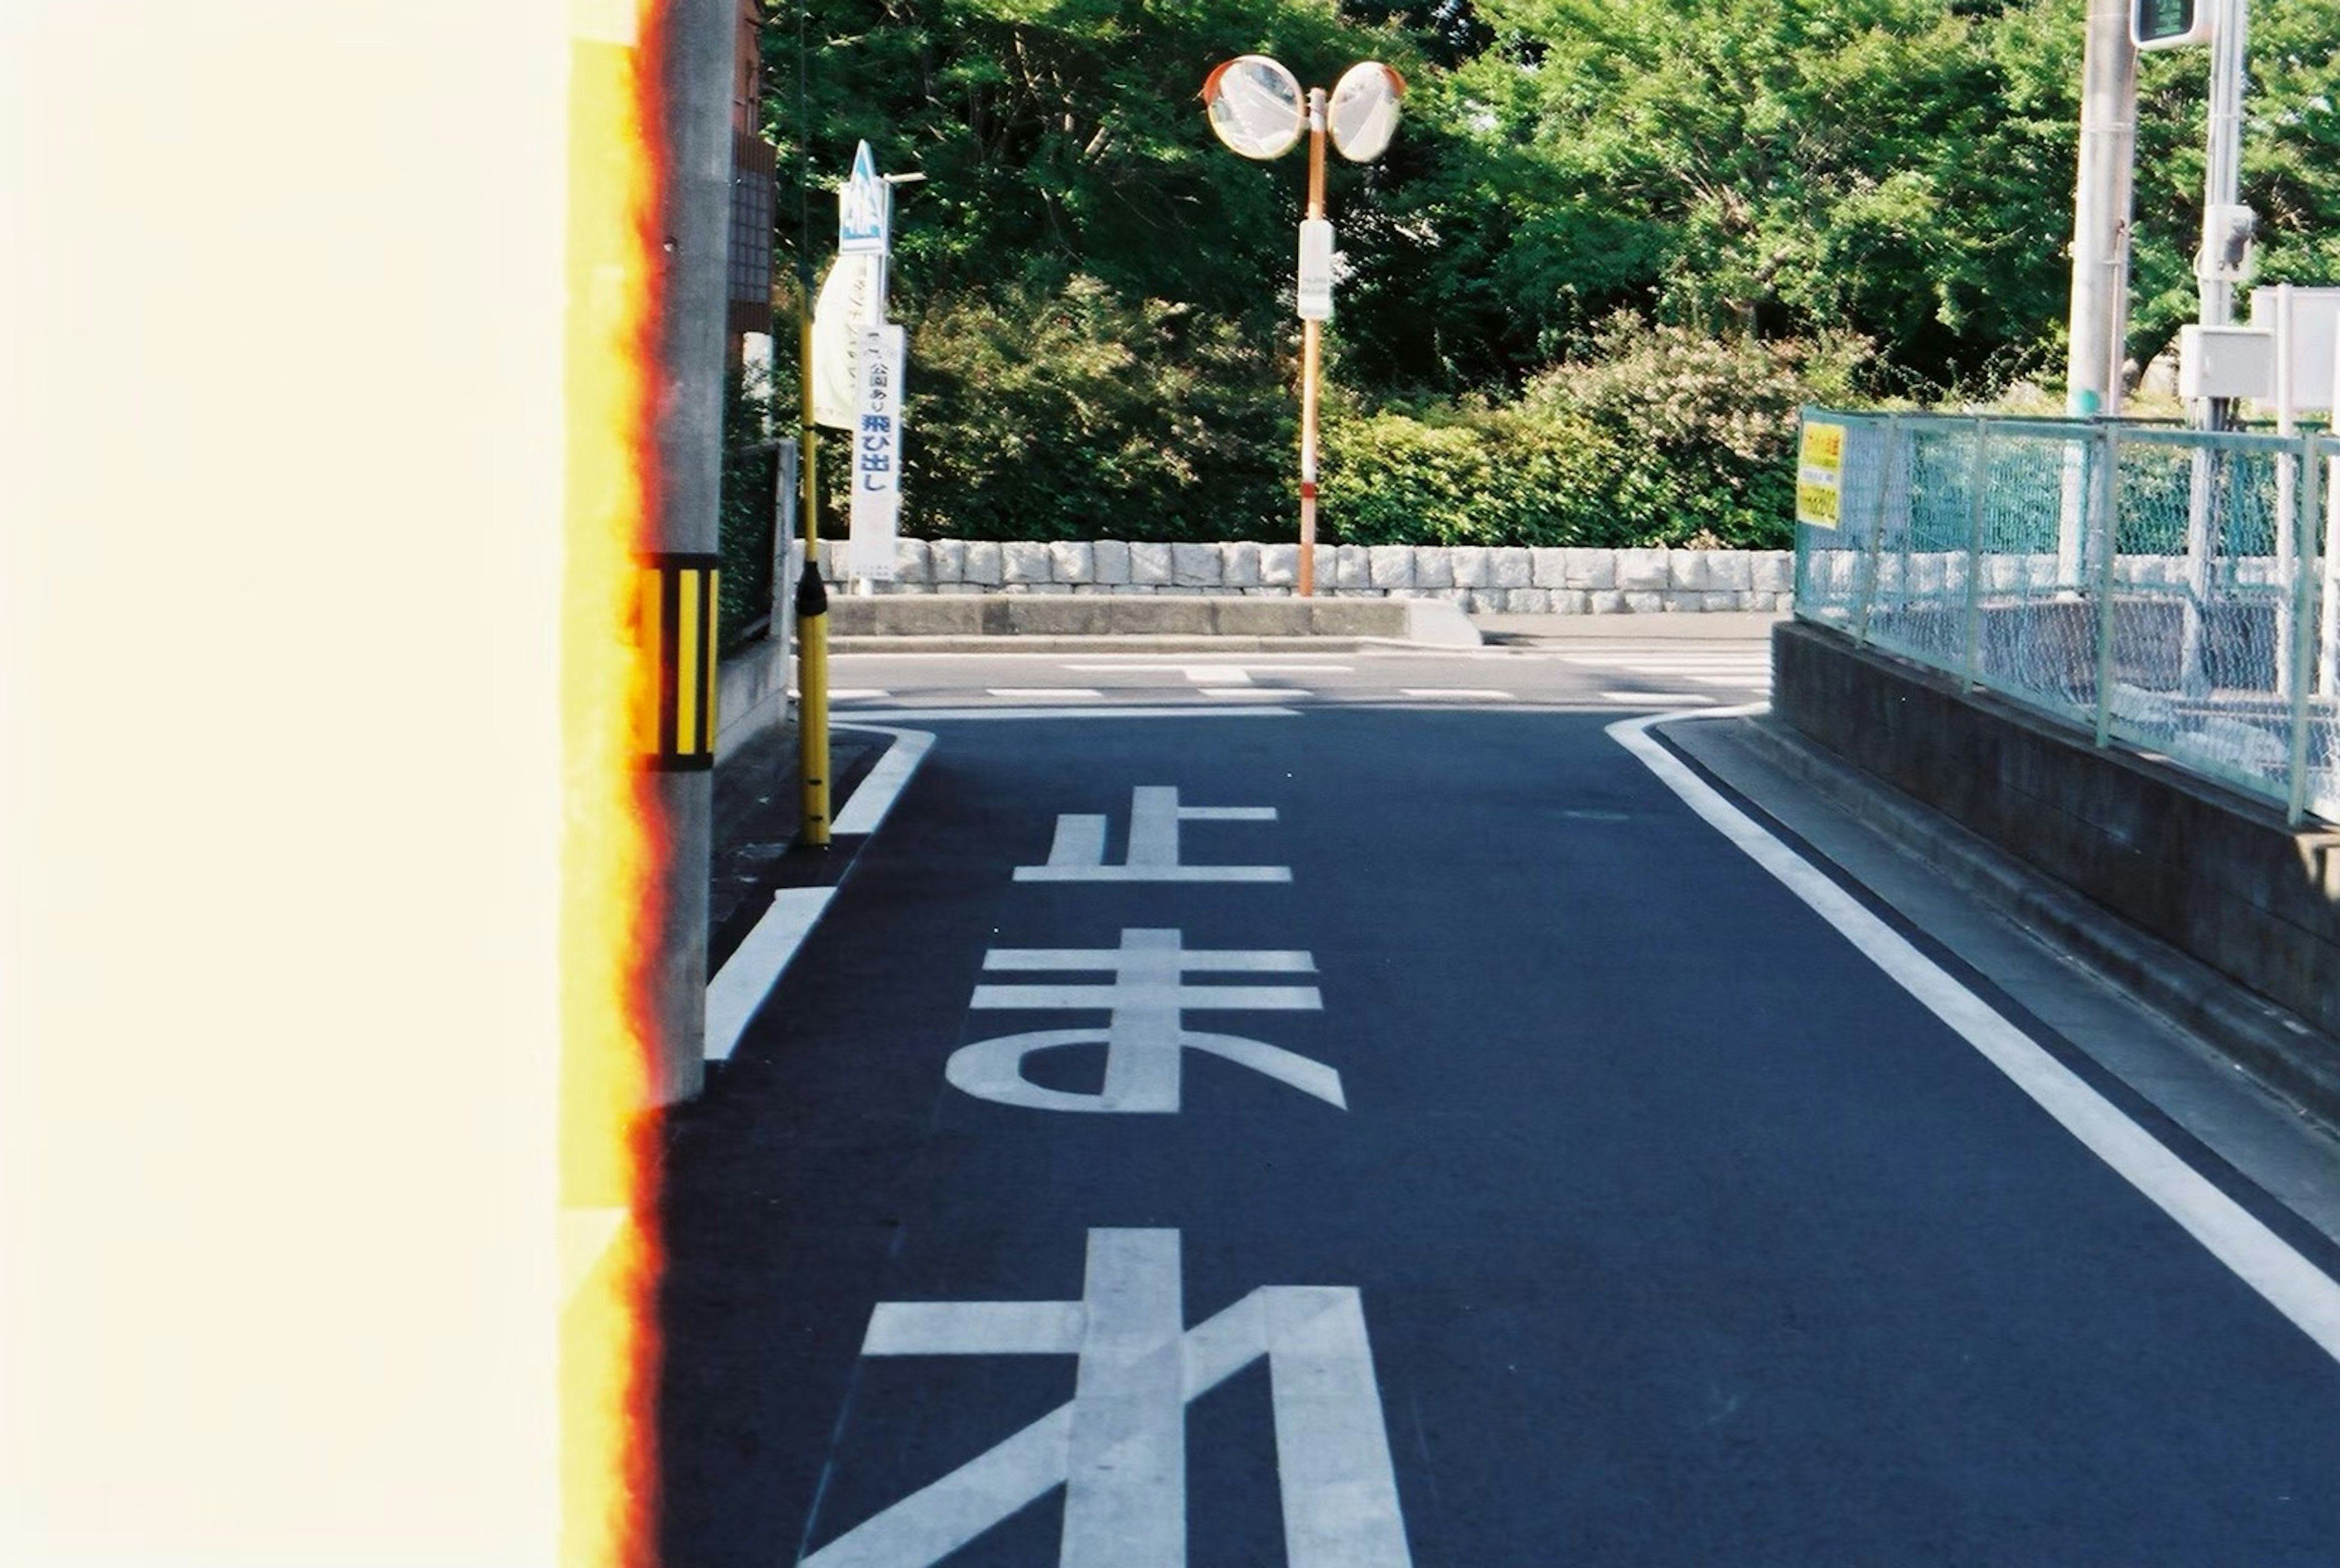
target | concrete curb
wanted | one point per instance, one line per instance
(1131, 644)
(1025, 620)
(2271, 1043)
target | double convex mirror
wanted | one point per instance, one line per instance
(1258, 110)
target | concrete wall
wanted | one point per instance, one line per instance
(2215, 873)
(751, 692)
(1481, 580)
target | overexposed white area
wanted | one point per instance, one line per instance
(279, 548)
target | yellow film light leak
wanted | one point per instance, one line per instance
(611, 850)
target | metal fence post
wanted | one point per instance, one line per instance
(2308, 497)
(2107, 492)
(1867, 577)
(1977, 481)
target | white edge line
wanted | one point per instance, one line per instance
(934, 715)
(866, 811)
(2260, 1259)
(748, 975)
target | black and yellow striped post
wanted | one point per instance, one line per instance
(677, 628)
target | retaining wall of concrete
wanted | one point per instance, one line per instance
(2215, 873)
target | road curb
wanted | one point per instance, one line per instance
(2271, 1043)
(1135, 642)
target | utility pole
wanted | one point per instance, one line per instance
(2227, 224)
(697, 43)
(2100, 217)
(2225, 243)
(2101, 204)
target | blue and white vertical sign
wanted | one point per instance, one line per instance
(874, 516)
(863, 210)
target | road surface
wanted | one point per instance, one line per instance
(1387, 1108)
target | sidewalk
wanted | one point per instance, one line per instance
(1688, 626)
(758, 815)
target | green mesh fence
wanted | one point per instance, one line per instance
(2168, 589)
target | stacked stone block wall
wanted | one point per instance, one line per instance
(1503, 580)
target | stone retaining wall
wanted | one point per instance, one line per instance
(1481, 578)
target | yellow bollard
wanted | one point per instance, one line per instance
(812, 611)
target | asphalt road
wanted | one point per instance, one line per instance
(1552, 1184)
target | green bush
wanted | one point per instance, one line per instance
(1074, 413)
(1705, 428)
(1466, 475)
(1660, 437)
(744, 518)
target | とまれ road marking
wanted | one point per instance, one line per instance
(1119, 1447)
(1144, 1039)
(1078, 853)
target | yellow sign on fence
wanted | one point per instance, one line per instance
(1820, 474)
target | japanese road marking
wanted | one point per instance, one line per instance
(1118, 1448)
(1154, 814)
(1144, 1039)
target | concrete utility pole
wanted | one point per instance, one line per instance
(2226, 239)
(2225, 225)
(696, 42)
(2100, 216)
(2101, 201)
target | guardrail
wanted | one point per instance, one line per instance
(2170, 589)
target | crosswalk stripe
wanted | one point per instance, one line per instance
(1658, 698)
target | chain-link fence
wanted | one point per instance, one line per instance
(2167, 588)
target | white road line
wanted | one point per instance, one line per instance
(1623, 667)
(1125, 1465)
(975, 1328)
(932, 715)
(854, 694)
(1269, 693)
(2260, 1259)
(748, 975)
(1458, 693)
(1658, 698)
(1199, 672)
(1045, 693)
(867, 809)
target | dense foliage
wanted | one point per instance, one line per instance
(1613, 246)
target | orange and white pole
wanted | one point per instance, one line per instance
(1310, 359)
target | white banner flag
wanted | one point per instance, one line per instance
(876, 462)
(849, 298)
